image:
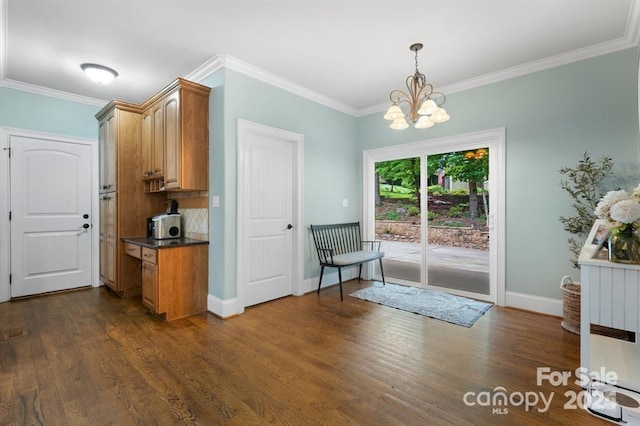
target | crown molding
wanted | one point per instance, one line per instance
(632, 32)
(289, 86)
(541, 65)
(206, 69)
(53, 93)
(227, 61)
(217, 62)
(4, 33)
(26, 87)
(630, 40)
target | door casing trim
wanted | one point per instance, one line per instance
(495, 139)
(5, 238)
(245, 127)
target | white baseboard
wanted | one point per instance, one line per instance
(226, 308)
(329, 278)
(542, 305)
(223, 308)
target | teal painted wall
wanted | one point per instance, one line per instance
(218, 254)
(551, 117)
(330, 165)
(29, 111)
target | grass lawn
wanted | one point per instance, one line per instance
(398, 191)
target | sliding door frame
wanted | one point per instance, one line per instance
(495, 140)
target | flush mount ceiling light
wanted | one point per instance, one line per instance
(99, 73)
(425, 105)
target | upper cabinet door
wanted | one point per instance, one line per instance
(175, 138)
(157, 140)
(153, 142)
(102, 128)
(109, 164)
(147, 136)
(172, 140)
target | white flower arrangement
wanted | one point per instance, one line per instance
(620, 210)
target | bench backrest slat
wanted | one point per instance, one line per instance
(340, 237)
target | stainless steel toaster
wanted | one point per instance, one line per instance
(167, 225)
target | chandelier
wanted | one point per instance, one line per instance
(425, 105)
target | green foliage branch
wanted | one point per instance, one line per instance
(583, 184)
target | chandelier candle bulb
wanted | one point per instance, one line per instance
(394, 112)
(428, 107)
(399, 124)
(440, 116)
(424, 122)
(425, 105)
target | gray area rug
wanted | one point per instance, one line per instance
(430, 303)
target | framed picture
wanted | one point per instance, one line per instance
(598, 235)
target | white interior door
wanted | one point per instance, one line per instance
(268, 256)
(51, 237)
(269, 216)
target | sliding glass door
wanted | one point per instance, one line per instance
(435, 206)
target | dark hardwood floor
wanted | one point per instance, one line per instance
(89, 357)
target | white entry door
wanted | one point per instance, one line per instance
(51, 237)
(266, 199)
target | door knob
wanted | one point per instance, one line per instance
(85, 216)
(289, 226)
(86, 226)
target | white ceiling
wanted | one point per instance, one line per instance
(346, 53)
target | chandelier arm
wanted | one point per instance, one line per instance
(439, 98)
(396, 97)
(417, 85)
(425, 93)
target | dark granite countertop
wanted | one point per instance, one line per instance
(160, 244)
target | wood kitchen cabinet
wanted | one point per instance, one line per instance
(123, 205)
(150, 286)
(175, 139)
(174, 278)
(153, 142)
(106, 135)
(108, 239)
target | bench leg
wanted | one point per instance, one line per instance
(360, 273)
(320, 282)
(340, 278)
(382, 272)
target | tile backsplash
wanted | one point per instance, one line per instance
(195, 223)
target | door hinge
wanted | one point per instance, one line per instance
(8, 149)
(10, 276)
(9, 214)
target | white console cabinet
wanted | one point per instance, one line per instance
(610, 297)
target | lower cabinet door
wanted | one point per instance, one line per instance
(150, 286)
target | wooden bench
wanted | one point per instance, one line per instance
(339, 245)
